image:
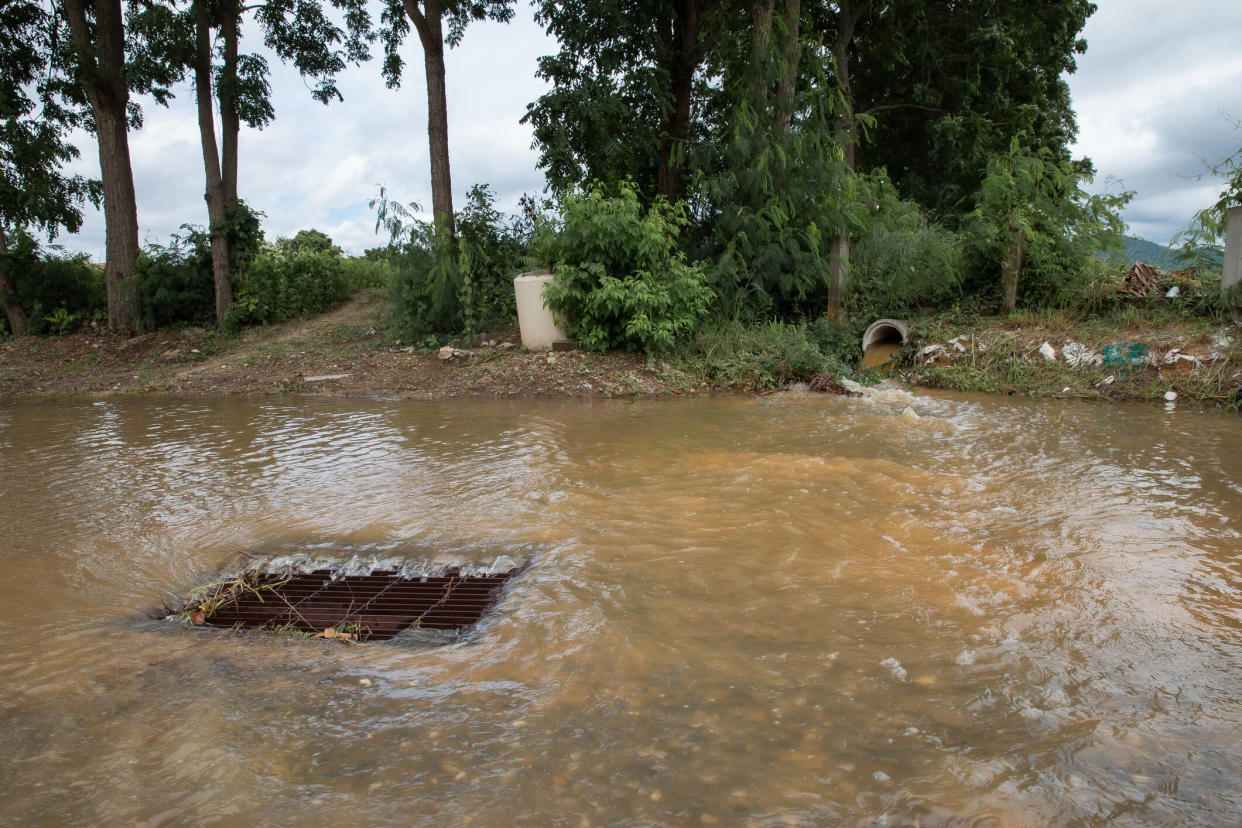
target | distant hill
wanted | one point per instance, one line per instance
(1142, 250)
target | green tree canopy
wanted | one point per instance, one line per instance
(37, 111)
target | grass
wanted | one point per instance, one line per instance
(757, 357)
(1002, 355)
(205, 601)
(84, 362)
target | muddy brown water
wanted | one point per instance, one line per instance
(790, 611)
(879, 354)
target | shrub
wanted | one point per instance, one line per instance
(443, 286)
(308, 241)
(175, 284)
(281, 285)
(426, 287)
(362, 273)
(765, 355)
(902, 262)
(620, 282)
(301, 275)
(59, 291)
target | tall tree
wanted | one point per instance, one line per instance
(1031, 202)
(98, 32)
(110, 64)
(950, 84)
(35, 116)
(302, 34)
(438, 22)
(625, 84)
(943, 87)
(777, 187)
(847, 18)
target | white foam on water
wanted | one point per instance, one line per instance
(403, 566)
(894, 665)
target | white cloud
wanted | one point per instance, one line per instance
(1154, 95)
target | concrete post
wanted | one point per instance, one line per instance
(1231, 272)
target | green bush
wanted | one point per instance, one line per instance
(450, 286)
(902, 262)
(492, 252)
(279, 285)
(299, 276)
(59, 291)
(426, 287)
(620, 281)
(770, 208)
(761, 356)
(309, 241)
(175, 284)
(362, 273)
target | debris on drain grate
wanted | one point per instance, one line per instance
(375, 606)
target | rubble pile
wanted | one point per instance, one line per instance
(1172, 359)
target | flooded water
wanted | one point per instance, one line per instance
(878, 355)
(801, 610)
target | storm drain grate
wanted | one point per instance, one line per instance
(372, 607)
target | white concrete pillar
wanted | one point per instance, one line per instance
(540, 327)
(1231, 271)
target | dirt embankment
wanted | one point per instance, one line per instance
(340, 353)
(1189, 360)
(346, 353)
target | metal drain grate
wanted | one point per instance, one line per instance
(372, 607)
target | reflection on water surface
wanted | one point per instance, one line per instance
(794, 611)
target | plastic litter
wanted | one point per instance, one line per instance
(1125, 353)
(1078, 355)
(1048, 352)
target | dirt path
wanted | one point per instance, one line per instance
(343, 353)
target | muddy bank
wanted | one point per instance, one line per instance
(347, 353)
(342, 353)
(1049, 356)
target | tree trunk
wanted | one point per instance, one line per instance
(677, 125)
(838, 267)
(8, 292)
(427, 22)
(839, 261)
(791, 53)
(101, 54)
(1011, 270)
(230, 122)
(230, 131)
(217, 212)
(760, 43)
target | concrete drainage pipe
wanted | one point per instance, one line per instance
(884, 331)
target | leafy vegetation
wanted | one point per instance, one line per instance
(37, 111)
(441, 284)
(58, 292)
(903, 262)
(620, 280)
(299, 276)
(765, 355)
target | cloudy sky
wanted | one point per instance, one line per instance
(1157, 94)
